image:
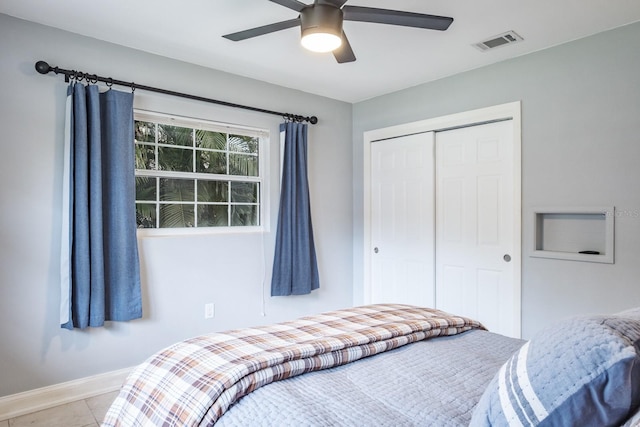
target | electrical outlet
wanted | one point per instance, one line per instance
(209, 310)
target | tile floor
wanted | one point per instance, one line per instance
(83, 413)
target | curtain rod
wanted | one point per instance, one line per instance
(43, 67)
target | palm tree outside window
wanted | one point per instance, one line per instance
(196, 174)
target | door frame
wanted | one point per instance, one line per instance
(508, 111)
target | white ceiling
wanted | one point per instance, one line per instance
(389, 58)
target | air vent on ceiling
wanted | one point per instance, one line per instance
(504, 39)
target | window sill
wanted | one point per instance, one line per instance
(204, 231)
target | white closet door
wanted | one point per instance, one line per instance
(475, 225)
(402, 218)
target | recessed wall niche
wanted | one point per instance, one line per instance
(574, 234)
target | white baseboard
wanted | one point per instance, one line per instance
(18, 404)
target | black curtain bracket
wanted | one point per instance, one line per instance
(43, 67)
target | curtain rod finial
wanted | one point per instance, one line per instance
(42, 67)
(313, 120)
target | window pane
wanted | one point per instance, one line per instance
(175, 135)
(146, 215)
(213, 191)
(177, 190)
(145, 188)
(240, 164)
(211, 162)
(172, 216)
(145, 157)
(243, 144)
(244, 215)
(145, 132)
(244, 192)
(211, 140)
(213, 216)
(175, 159)
(179, 194)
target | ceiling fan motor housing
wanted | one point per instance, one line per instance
(320, 18)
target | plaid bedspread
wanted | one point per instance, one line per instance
(194, 382)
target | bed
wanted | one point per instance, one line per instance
(390, 365)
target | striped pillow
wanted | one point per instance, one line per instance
(582, 372)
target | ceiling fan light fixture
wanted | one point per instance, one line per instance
(321, 42)
(321, 28)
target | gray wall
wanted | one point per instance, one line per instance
(180, 274)
(580, 147)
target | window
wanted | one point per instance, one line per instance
(194, 173)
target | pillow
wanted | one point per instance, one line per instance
(581, 372)
(633, 313)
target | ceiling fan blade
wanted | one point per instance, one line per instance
(336, 3)
(291, 4)
(396, 17)
(344, 53)
(259, 31)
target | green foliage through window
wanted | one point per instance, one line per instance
(191, 176)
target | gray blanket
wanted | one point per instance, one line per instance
(436, 382)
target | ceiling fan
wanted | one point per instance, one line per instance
(321, 24)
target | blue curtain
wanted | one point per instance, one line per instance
(295, 268)
(99, 262)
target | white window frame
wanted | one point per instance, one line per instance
(205, 124)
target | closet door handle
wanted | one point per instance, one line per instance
(507, 257)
